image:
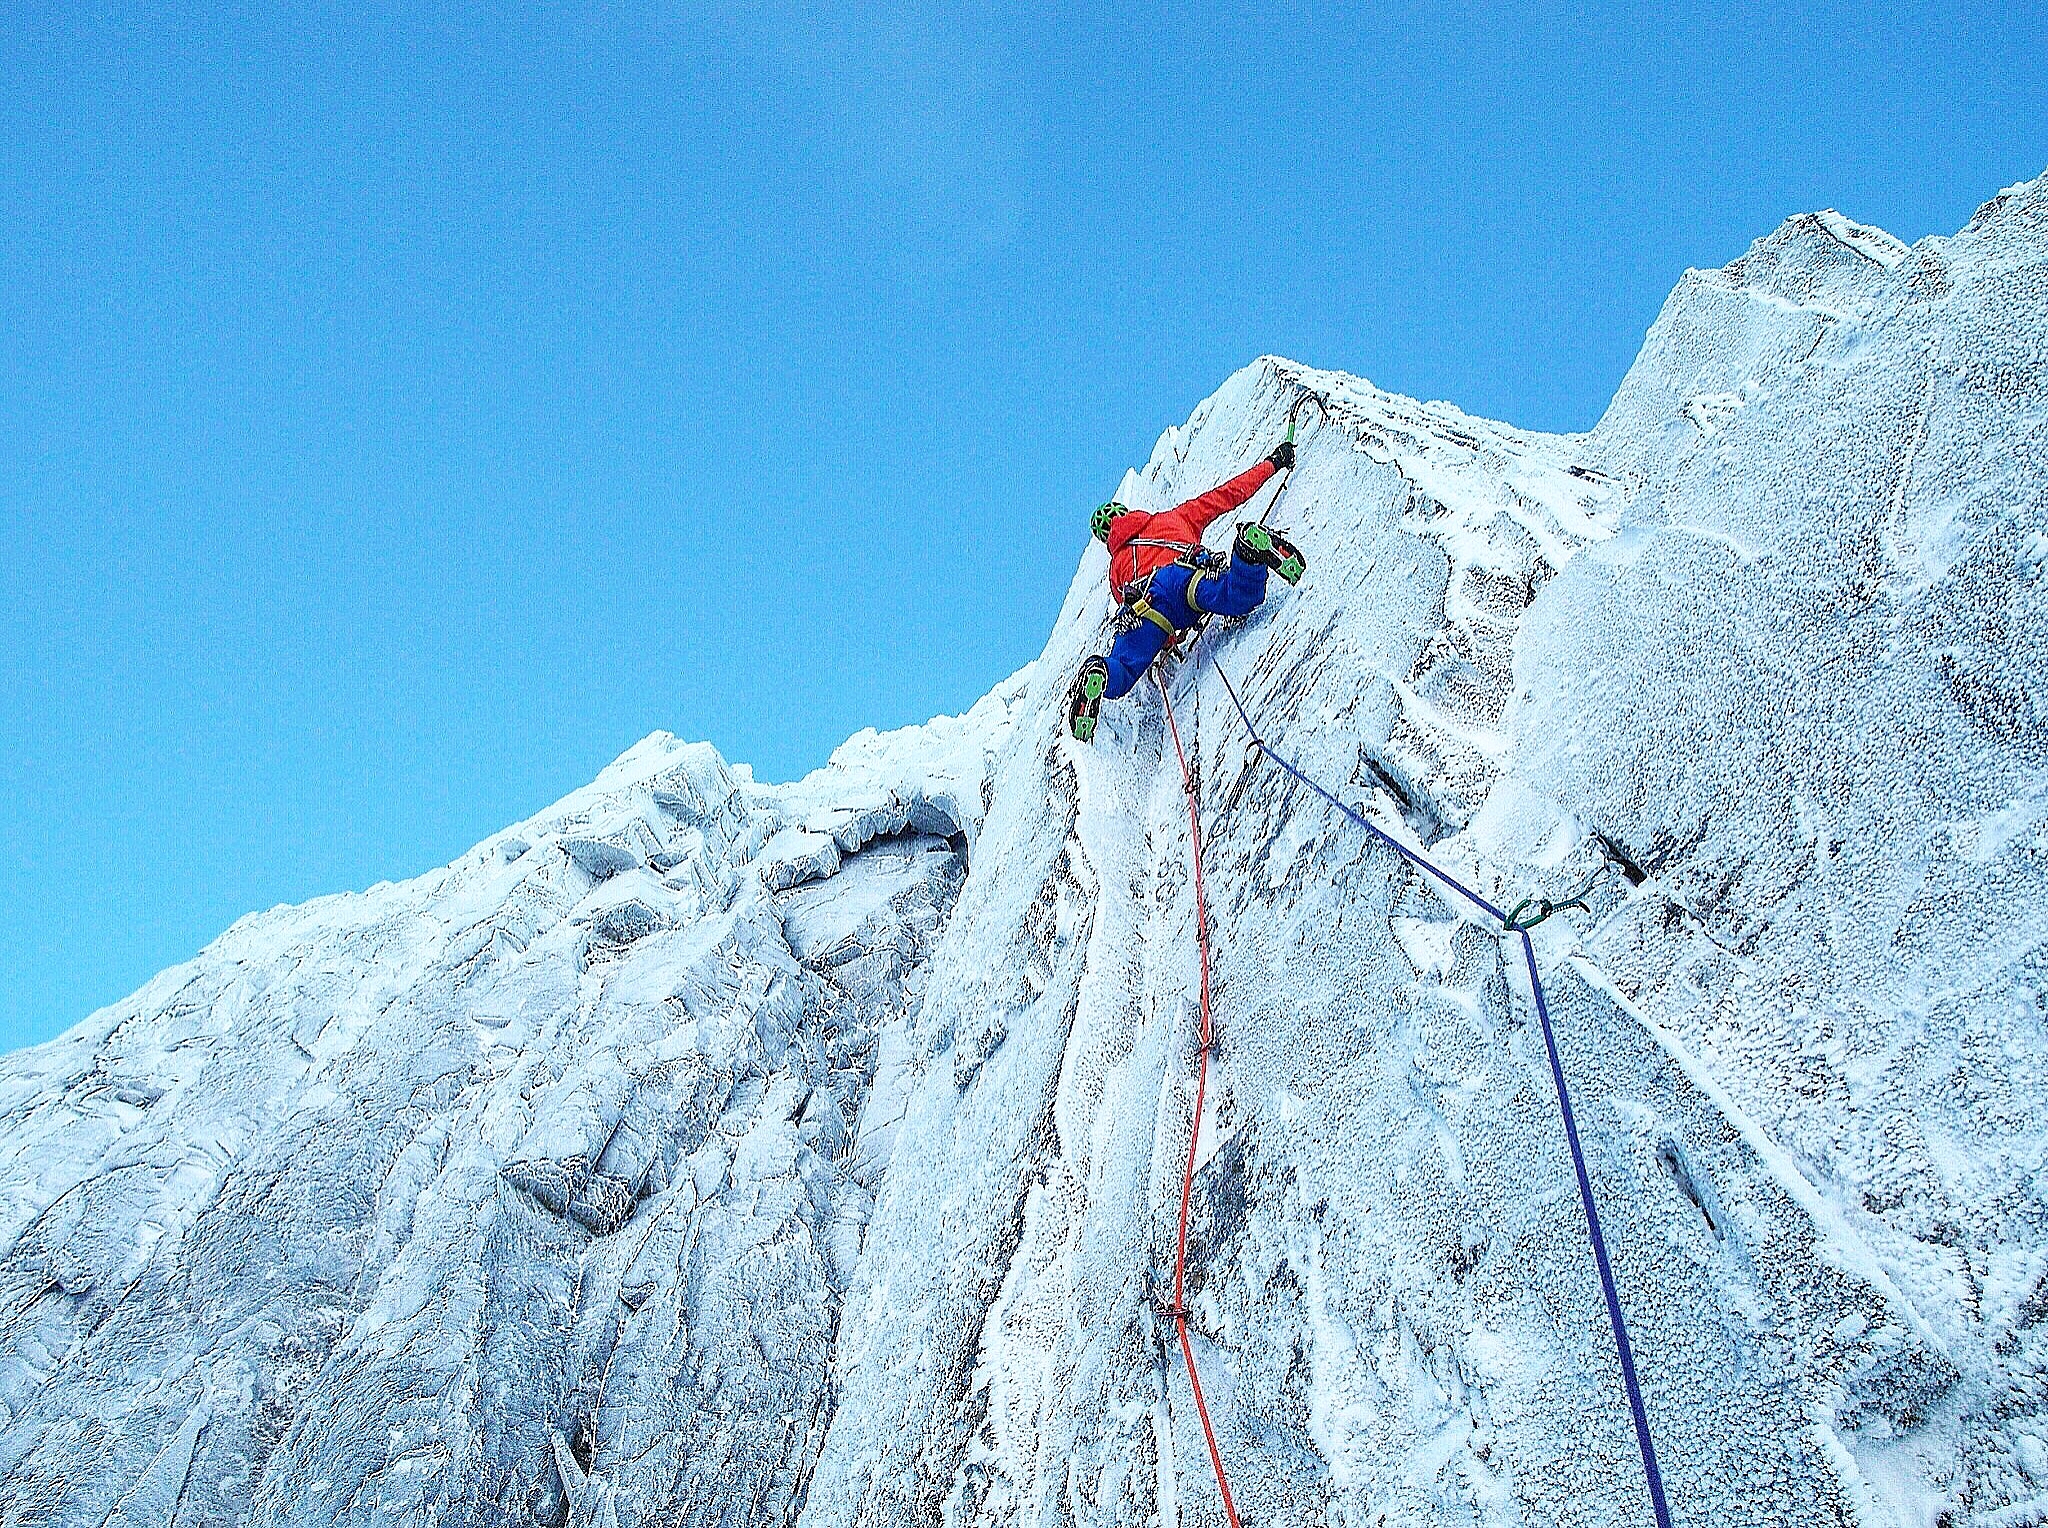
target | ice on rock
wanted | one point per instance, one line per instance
(702, 1151)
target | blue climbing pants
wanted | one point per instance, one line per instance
(1181, 595)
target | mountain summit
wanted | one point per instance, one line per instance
(707, 1152)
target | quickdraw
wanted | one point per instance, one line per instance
(1516, 921)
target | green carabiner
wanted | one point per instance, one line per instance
(1514, 923)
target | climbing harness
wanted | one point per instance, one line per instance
(1651, 1475)
(1187, 1183)
(1192, 554)
(1137, 594)
(1136, 603)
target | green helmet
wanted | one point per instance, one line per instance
(1100, 523)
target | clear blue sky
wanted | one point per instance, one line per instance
(402, 410)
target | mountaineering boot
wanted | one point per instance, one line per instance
(1086, 702)
(1256, 543)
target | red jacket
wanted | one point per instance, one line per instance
(1181, 527)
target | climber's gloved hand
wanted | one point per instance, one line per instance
(1283, 455)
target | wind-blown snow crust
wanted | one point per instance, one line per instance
(709, 1152)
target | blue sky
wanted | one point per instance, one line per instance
(403, 411)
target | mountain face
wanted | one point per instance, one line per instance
(708, 1152)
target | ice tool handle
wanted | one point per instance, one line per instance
(1293, 415)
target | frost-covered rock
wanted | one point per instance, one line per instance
(708, 1152)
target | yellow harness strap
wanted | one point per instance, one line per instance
(1144, 608)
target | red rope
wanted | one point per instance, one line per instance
(1187, 1186)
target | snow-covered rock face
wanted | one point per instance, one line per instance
(713, 1153)
(523, 1192)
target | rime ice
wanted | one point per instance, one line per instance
(706, 1152)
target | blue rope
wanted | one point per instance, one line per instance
(1651, 1474)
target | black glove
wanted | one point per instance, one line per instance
(1283, 455)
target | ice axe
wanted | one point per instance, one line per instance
(1293, 413)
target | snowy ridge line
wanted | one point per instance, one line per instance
(1652, 1477)
(1554, 492)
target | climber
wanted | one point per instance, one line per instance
(1166, 580)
